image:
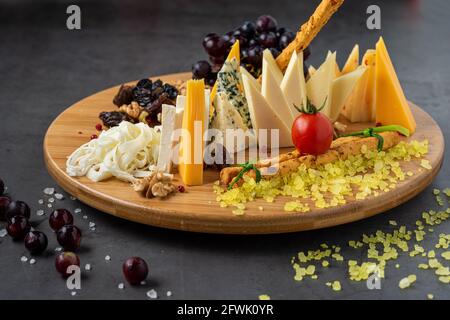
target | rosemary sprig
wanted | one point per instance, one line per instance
(245, 168)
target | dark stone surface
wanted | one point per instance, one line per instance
(44, 68)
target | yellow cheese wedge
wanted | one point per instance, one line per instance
(369, 60)
(191, 148)
(293, 84)
(343, 87)
(352, 61)
(269, 63)
(319, 85)
(391, 104)
(263, 115)
(271, 91)
(235, 52)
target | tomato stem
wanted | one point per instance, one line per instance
(310, 108)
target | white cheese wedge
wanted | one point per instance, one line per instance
(319, 86)
(336, 67)
(168, 121)
(270, 63)
(343, 87)
(263, 115)
(352, 61)
(271, 91)
(293, 84)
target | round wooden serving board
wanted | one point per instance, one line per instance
(197, 209)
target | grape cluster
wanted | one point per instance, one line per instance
(254, 38)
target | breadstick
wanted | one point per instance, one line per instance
(309, 30)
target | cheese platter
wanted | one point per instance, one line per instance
(281, 147)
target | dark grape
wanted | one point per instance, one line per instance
(255, 56)
(17, 208)
(18, 227)
(238, 35)
(135, 270)
(36, 242)
(252, 42)
(217, 60)
(268, 39)
(211, 79)
(157, 84)
(4, 203)
(69, 237)
(227, 38)
(59, 218)
(200, 69)
(280, 31)
(244, 54)
(64, 260)
(275, 52)
(266, 23)
(2, 187)
(208, 37)
(215, 46)
(248, 29)
(285, 39)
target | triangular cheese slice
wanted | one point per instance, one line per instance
(269, 63)
(391, 104)
(293, 84)
(311, 70)
(263, 114)
(342, 88)
(336, 67)
(271, 90)
(319, 86)
(369, 60)
(352, 61)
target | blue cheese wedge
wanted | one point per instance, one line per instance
(230, 85)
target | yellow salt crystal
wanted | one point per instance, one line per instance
(264, 297)
(336, 286)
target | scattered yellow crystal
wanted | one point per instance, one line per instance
(446, 255)
(407, 282)
(336, 286)
(325, 263)
(425, 164)
(264, 297)
(430, 296)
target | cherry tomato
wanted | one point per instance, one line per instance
(312, 132)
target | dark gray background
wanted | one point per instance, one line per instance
(44, 68)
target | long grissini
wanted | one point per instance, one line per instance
(341, 148)
(309, 30)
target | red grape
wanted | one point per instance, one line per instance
(64, 260)
(266, 23)
(217, 60)
(248, 29)
(4, 203)
(18, 227)
(201, 69)
(135, 270)
(268, 39)
(17, 208)
(36, 242)
(69, 237)
(286, 38)
(255, 56)
(60, 217)
(215, 45)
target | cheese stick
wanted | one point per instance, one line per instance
(341, 148)
(309, 30)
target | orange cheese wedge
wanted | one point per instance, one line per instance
(191, 147)
(391, 104)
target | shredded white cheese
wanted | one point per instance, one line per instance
(126, 152)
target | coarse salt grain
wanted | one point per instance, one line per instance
(3, 233)
(49, 205)
(41, 201)
(91, 224)
(49, 191)
(23, 259)
(108, 258)
(40, 212)
(169, 293)
(87, 267)
(58, 249)
(121, 286)
(32, 261)
(73, 293)
(59, 196)
(73, 198)
(77, 210)
(152, 294)
(264, 297)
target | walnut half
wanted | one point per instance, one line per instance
(158, 184)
